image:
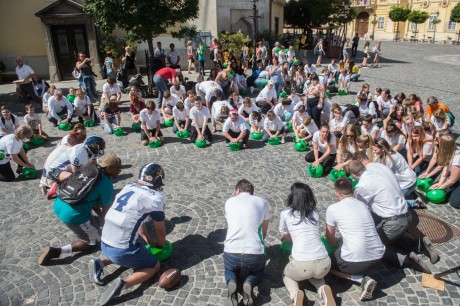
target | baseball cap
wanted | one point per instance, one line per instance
(233, 111)
(271, 82)
(110, 160)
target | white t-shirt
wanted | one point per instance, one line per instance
(385, 104)
(80, 156)
(150, 120)
(369, 131)
(245, 214)
(56, 106)
(335, 125)
(24, 71)
(174, 55)
(33, 122)
(439, 124)
(266, 93)
(311, 128)
(171, 102)
(207, 88)
(354, 221)
(217, 106)
(295, 101)
(237, 126)
(188, 103)
(82, 104)
(180, 115)
(322, 146)
(404, 174)
(248, 110)
(307, 245)
(281, 110)
(180, 93)
(311, 69)
(199, 116)
(9, 125)
(395, 140)
(255, 123)
(297, 118)
(365, 109)
(326, 110)
(385, 198)
(343, 78)
(456, 160)
(111, 90)
(273, 125)
(58, 158)
(133, 206)
(10, 145)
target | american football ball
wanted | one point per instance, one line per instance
(169, 278)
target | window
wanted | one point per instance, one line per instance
(451, 25)
(430, 22)
(380, 22)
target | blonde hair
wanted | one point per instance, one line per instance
(307, 120)
(343, 144)
(367, 140)
(446, 151)
(385, 158)
(24, 132)
(416, 147)
(189, 43)
(439, 113)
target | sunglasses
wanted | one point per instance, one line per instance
(350, 136)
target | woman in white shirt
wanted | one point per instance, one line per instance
(347, 146)
(368, 128)
(306, 130)
(395, 138)
(247, 108)
(385, 102)
(273, 127)
(337, 123)
(449, 159)
(440, 120)
(420, 149)
(365, 143)
(299, 225)
(324, 149)
(181, 117)
(256, 120)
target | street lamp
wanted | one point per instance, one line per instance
(254, 8)
(435, 22)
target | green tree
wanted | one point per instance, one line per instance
(233, 42)
(143, 20)
(398, 14)
(417, 17)
(455, 17)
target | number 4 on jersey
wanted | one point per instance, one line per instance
(123, 200)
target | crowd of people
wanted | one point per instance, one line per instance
(377, 137)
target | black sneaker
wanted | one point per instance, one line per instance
(417, 263)
(49, 253)
(427, 249)
(113, 291)
(232, 298)
(368, 286)
(95, 271)
(247, 294)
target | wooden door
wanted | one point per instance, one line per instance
(68, 40)
(362, 25)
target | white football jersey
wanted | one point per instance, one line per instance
(133, 206)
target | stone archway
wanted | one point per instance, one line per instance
(243, 25)
(362, 23)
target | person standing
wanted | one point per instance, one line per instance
(173, 57)
(354, 45)
(299, 225)
(137, 205)
(190, 56)
(247, 219)
(87, 83)
(160, 78)
(25, 89)
(362, 248)
(129, 62)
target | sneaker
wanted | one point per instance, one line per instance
(368, 286)
(417, 263)
(95, 270)
(52, 192)
(283, 140)
(43, 189)
(298, 298)
(325, 293)
(232, 298)
(427, 249)
(247, 294)
(49, 253)
(113, 291)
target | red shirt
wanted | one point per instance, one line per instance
(167, 73)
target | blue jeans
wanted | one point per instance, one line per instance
(107, 128)
(421, 168)
(253, 264)
(408, 193)
(354, 77)
(88, 85)
(160, 83)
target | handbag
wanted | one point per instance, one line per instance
(76, 73)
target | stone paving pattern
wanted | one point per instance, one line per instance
(198, 182)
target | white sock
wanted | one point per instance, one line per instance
(66, 249)
(357, 278)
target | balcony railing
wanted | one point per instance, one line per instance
(369, 4)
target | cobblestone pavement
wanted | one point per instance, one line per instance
(198, 181)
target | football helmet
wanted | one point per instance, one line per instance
(96, 145)
(152, 175)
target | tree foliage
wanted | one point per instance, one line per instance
(310, 13)
(233, 42)
(455, 14)
(398, 13)
(142, 19)
(418, 17)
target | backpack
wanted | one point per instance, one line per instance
(76, 73)
(76, 187)
(352, 108)
(211, 55)
(12, 119)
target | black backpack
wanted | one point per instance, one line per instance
(211, 55)
(376, 106)
(77, 186)
(12, 119)
(353, 108)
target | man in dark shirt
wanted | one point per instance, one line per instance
(354, 46)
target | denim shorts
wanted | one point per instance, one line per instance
(135, 257)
